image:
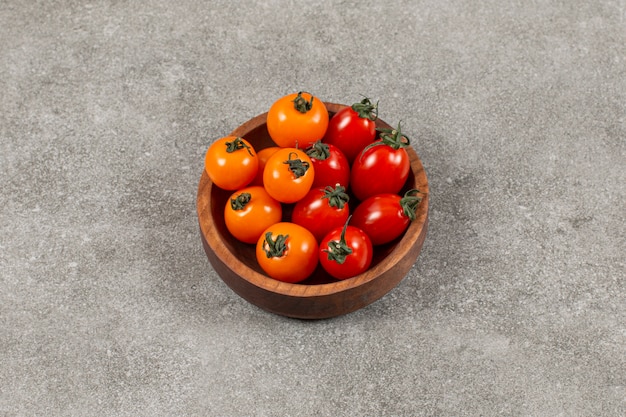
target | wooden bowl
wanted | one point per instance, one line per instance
(319, 296)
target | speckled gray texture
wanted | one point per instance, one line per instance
(515, 307)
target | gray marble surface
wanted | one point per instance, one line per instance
(515, 307)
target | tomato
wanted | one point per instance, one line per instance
(288, 175)
(382, 167)
(231, 163)
(297, 120)
(249, 211)
(384, 217)
(263, 155)
(351, 129)
(346, 252)
(331, 165)
(322, 210)
(287, 252)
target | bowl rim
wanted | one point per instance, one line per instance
(400, 250)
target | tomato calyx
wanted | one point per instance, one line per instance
(319, 150)
(237, 144)
(297, 166)
(410, 202)
(336, 196)
(275, 248)
(393, 138)
(338, 250)
(366, 110)
(300, 103)
(239, 202)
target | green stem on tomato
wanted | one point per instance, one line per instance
(275, 248)
(237, 144)
(297, 166)
(319, 150)
(366, 110)
(239, 202)
(390, 137)
(338, 250)
(300, 103)
(336, 196)
(410, 202)
(394, 137)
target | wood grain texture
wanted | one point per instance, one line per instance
(320, 296)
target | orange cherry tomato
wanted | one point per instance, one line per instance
(231, 162)
(297, 120)
(249, 211)
(288, 175)
(287, 252)
(263, 155)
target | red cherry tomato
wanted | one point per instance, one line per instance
(287, 252)
(382, 167)
(331, 165)
(288, 175)
(351, 129)
(297, 120)
(231, 163)
(346, 252)
(384, 217)
(322, 210)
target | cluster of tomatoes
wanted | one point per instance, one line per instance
(318, 163)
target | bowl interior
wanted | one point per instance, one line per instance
(255, 132)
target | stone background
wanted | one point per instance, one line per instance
(515, 307)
